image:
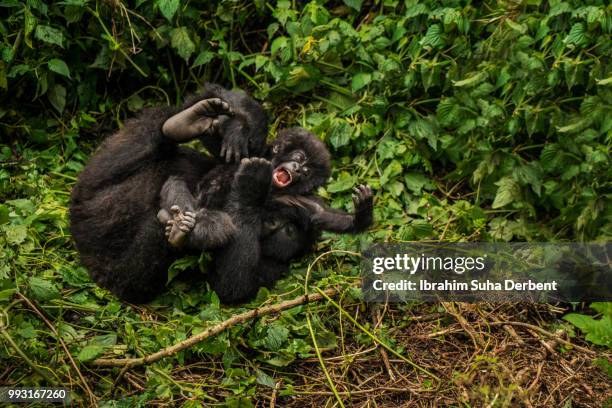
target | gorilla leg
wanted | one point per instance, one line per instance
(199, 230)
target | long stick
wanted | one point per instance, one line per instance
(234, 320)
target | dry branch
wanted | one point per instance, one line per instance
(213, 331)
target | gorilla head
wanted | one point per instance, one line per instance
(300, 161)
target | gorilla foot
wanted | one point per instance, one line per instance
(252, 180)
(181, 224)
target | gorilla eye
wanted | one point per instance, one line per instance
(306, 171)
(299, 156)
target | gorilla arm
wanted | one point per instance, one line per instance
(325, 218)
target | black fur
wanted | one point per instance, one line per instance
(117, 196)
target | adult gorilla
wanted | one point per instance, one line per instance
(117, 196)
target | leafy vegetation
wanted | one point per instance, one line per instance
(484, 123)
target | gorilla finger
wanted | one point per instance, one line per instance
(228, 154)
(188, 224)
(245, 150)
(222, 153)
(176, 209)
(218, 105)
(364, 192)
(227, 109)
(236, 156)
(203, 107)
(214, 125)
(163, 216)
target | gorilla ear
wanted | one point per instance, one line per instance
(276, 148)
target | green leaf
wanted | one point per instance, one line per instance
(260, 61)
(16, 234)
(57, 97)
(433, 37)
(576, 35)
(394, 169)
(360, 80)
(276, 336)
(264, 379)
(181, 265)
(354, 4)
(604, 308)
(507, 192)
(448, 112)
(90, 352)
(203, 58)
(42, 289)
(474, 79)
(181, 42)
(597, 331)
(520, 28)
(75, 276)
(340, 134)
(168, 8)
(49, 34)
(4, 214)
(344, 182)
(59, 66)
(417, 181)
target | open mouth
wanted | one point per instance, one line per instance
(281, 177)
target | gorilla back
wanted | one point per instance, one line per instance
(114, 204)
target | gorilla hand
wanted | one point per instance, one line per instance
(234, 144)
(363, 201)
(201, 118)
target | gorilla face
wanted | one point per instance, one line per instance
(300, 160)
(291, 169)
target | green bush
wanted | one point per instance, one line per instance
(503, 109)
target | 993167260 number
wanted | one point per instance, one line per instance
(33, 394)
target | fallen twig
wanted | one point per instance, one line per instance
(234, 320)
